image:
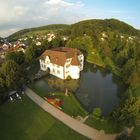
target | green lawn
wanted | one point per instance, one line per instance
(103, 124)
(24, 120)
(94, 58)
(70, 104)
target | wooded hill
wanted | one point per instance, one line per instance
(104, 26)
(51, 27)
(109, 42)
(89, 27)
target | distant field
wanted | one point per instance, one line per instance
(24, 120)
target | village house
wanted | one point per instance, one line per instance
(62, 62)
(12, 47)
(51, 36)
(6, 46)
(38, 43)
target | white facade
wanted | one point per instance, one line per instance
(66, 71)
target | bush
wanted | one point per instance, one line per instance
(97, 112)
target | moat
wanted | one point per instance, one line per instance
(95, 88)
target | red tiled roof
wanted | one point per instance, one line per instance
(60, 55)
(75, 61)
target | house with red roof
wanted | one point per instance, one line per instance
(62, 62)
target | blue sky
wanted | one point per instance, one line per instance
(19, 14)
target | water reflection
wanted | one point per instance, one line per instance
(59, 84)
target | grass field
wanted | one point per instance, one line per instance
(24, 120)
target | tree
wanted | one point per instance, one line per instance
(2, 88)
(128, 112)
(11, 74)
(46, 44)
(57, 42)
(18, 57)
(124, 136)
(31, 53)
(97, 112)
(83, 43)
(134, 79)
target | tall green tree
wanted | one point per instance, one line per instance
(31, 53)
(57, 42)
(11, 75)
(83, 43)
(18, 57)
(128, 112)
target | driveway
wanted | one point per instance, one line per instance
(74, 124)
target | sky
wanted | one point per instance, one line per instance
(20, 14)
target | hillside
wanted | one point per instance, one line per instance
(89, 27)
(96, 26)
(46, 28)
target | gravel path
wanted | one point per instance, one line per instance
(74, 124)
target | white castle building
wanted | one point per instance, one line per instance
(62, 62)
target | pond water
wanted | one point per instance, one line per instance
(95, 88)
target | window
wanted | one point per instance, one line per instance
(68, 60)
(53, 70)
(67, 66)
(58, 71)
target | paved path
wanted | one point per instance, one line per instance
(74, 124)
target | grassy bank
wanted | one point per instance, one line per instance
(24, 120)
(103, 124)
(70, 104)
(94, 58)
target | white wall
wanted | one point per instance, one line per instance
(56, 70)
(43, 65)
(81, 60)
(63, 72)
(75, 72)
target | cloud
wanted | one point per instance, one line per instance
(19, 14)
(15, 14)
(58, 2)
